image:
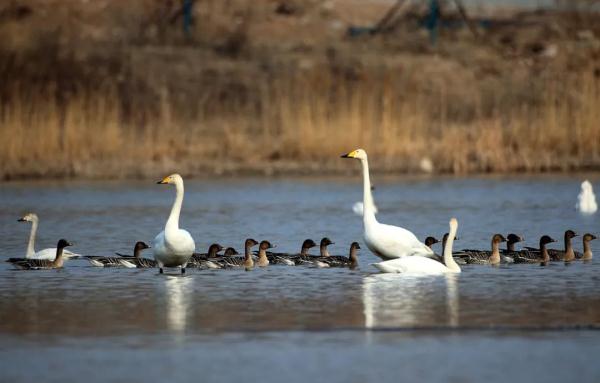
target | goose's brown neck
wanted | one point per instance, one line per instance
(495, 257)
(544, 253)
(587, 251)
(137, 252)
(352, 256)
(58, 261)
(569, 253)
(304, 251)
(324, 251)
(510, 246)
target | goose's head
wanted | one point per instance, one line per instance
(546, 239)
(359, 154)
(569, 234)
(264, 245)
(62, 243)
(214, 249)
(430, 241)
(326, 242)
(514, 238)
(230, 251)
(588, 237)
(308, 243)
(139, 246)
(171, 180)
(29, 217)
(250, 243)
(497, 238)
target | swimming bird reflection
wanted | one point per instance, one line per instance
(177, 290)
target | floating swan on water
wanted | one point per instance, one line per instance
(173, 246)
(586, 200)
(38, 264)
(418, 264)
(385, 241)
(49, 253)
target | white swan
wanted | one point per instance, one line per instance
(586, 200)
(385, 241)
(49, 253)
(173, 246)
(359, 208)
(424, 265)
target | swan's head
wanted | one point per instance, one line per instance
(264, 245)
(497, 238)
(513, 238)
(586, 186)
(588, 237)
(546, 239)
(250, 242)
(570, 234)
(326, 242)
(430, 241)
(214, 249)
(308, 243)
(171, 180)
(62, 243)
(139, 246)
(230, 251)
(453, 224)
(359, 154)
(29, 217)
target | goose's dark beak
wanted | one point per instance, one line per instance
(20, 220)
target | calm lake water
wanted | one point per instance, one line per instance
(297, 323)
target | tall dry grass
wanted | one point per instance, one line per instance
(301, 119)
(155, 103)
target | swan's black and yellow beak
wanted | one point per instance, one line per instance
(163, 181)
(351, 154)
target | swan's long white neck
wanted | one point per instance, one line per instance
(368, 205)
(448, 259)
(31, 245)
(173, 221)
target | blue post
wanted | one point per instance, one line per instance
(187, 16)
(433, 20)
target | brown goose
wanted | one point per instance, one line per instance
(39, 264)
(136, 259)
(568, 254)
(537, 255)
(339, 260)
(246, 260)
(587, 249)
(485, 257)
(121, 260)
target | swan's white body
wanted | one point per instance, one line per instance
(385, 241)
(423, 265)
(174, 246)
(586, 200)
(49, 253)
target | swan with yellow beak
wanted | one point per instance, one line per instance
(173, 247)
(385, 241)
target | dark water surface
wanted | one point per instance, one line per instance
(296, 323)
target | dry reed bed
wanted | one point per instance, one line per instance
(301, 118)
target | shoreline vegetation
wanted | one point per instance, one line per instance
(111, 89)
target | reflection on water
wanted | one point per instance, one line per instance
(177, 290)
(398, 301)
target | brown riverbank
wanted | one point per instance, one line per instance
(113, 89)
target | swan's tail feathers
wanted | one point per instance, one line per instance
(127, 263)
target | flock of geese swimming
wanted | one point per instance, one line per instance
(399, 249)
